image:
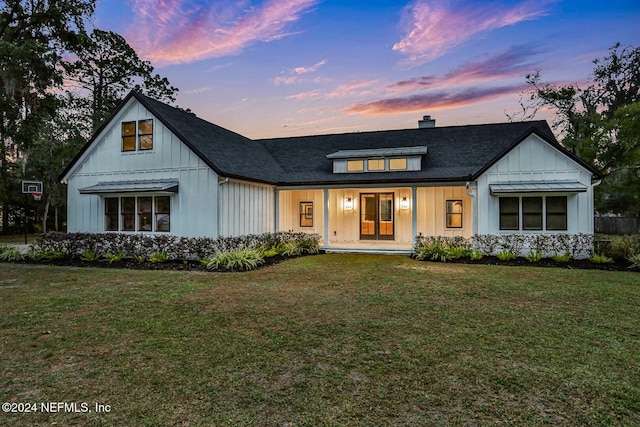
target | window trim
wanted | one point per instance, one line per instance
(449, 215)
(134, 217)
(306, 213)
(137, 135)
(544, 213)
(406, 163)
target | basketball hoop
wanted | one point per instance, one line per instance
(37, 195)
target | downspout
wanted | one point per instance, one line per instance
(218, 208)
(468, 188)
(594, 183)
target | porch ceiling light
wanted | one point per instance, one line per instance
(404, 203)
(348, 203)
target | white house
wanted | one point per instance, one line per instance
(152, 168)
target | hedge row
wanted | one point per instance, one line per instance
(135, 246)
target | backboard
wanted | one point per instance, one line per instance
(29, 187)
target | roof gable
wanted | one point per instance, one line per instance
(455, 153)
(224, 151)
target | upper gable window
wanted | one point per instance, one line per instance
(129, 136)
(137, 135)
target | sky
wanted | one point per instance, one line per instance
(280, 68)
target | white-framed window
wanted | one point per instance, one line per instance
(140, 213)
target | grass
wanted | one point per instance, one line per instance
(327, 340)
(18, 238)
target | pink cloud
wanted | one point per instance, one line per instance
(432, 101)
(351, 89)
(438, 26)
(294, 75)
(180, 31)
(513, 62)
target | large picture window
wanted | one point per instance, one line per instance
(137, 213)
(534, 213)
(137, 135)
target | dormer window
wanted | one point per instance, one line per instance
(378, 160)
(399, 164)
(375, 165)
(137, 135)
(355, 165)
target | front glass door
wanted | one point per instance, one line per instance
(376, 216)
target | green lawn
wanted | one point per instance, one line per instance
(327, 340)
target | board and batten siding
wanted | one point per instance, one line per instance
(246, 208)
(534, 160)
(432, 211)
(193, 208)
(289, 215)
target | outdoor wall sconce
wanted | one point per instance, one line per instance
(348, 203)
(404, 203)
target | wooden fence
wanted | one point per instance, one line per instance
(617, 225)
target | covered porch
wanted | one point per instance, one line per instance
(376, 219)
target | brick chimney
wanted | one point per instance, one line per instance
(427, 122)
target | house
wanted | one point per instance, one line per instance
(152, 168)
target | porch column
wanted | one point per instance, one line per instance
(414, 213)
(326, 216)
(276, 217)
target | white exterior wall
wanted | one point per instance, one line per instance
(246, 208)
(535, 160)
(344, 226)
(289, 216)
(193, 208)
(432, 211)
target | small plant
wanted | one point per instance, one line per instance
(140, 258)
(635, 260)
(457, 252)
(561, 258)
(534, 256)
(432, 251)
(10, 254)
(50, 255)
(111, 258)
(89, 255)
(506, 255)
(600, 259)
(292, 249)
(241, 259)
(476, 255)
(159, 257)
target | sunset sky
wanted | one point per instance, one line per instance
(280, 68)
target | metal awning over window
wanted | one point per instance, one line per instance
(146, 186)
(538, 187)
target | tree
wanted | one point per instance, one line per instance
(601, 122)
(106, 68)
(33, 36)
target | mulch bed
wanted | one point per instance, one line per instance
(134, 265)
(196, 266)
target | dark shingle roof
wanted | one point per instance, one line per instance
(455, 153)
(226, 152)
